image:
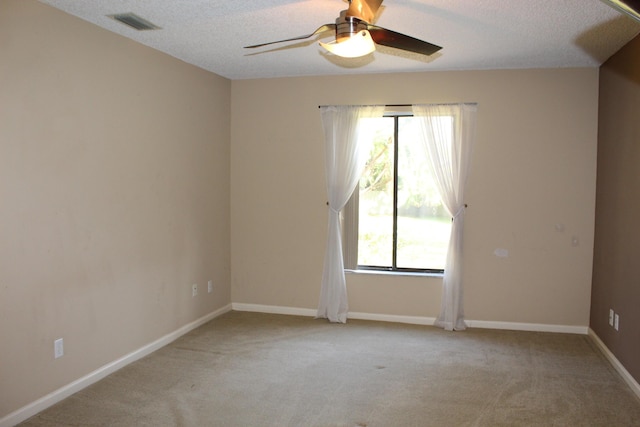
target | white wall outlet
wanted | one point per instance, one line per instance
(58, 348)
(210, 286)
(616, 322)
(194, 289)
(501, 252)
(611, 317)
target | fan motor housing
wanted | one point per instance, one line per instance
(348, 26)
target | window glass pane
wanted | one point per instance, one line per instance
(424, 225)
(375, 221)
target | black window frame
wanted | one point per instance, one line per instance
(394, 267)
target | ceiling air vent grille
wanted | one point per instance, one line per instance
(134, 21)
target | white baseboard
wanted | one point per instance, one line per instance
(274, 309)
(56, 396)
(626, 376)
(532, 327)
(412, 320)
(415, 320)
(309, 312)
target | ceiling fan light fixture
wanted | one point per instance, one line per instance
(358, 44)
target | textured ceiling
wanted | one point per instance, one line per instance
(474, 34)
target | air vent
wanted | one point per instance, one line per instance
(134, 21)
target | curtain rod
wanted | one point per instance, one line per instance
(411, 105)
(386, 105)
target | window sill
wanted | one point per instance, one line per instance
(395, 273)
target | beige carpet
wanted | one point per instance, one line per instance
(249, 369)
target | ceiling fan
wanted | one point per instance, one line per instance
(355, 35)
(630, 7)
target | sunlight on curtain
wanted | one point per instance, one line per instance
(448, 137)
(346, 135)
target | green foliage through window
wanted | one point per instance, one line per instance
(397, 196)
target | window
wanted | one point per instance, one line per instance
(395, 220)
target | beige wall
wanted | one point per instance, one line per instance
(534, 167)
(114, 197)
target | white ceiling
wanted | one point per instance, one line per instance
(474, 34)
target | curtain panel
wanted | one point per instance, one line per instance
(448, 145)
(346, 139)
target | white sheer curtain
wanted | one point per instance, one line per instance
(345, 134)
(448, 136)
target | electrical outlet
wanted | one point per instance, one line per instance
(194, 289)
(616, 322)
(210, 286)
(611, 317)
(58, 348)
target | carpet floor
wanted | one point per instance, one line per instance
(253, 369)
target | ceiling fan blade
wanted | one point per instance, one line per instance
(364, 10)
(322, 29)
(630, 7)
(400, 41)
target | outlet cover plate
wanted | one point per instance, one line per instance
(58, 348)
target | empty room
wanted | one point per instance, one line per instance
(217, 213)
